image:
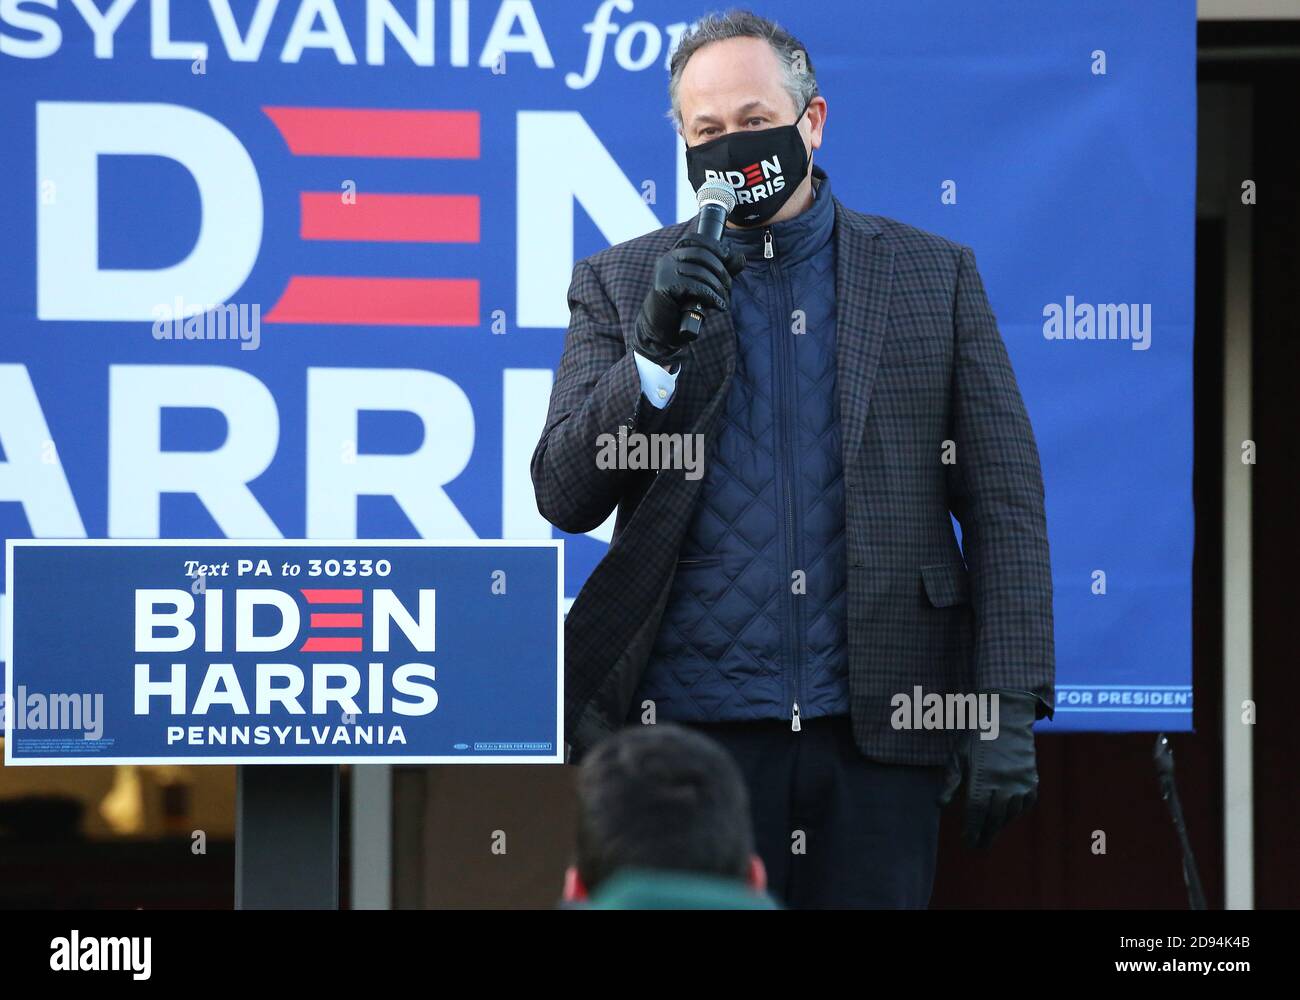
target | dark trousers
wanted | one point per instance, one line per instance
(834, 828)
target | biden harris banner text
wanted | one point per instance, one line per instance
(298, 268)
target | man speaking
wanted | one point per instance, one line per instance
(805, 597)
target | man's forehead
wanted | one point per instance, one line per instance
(731, 69)
(708, 110)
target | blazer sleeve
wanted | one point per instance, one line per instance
(597, 390)
(996, 493)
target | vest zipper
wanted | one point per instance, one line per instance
(786, 479)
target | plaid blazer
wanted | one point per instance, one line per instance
(932, 423)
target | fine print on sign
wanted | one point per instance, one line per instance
(225, 652)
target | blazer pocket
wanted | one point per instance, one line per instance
(691, 562)
(946, 584)
(916, 337)
(912, 351)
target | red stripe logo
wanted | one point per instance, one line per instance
(418, 135)
(333, 596)
(387, 217)
(378, 302)
(334, 620)
(391, 218)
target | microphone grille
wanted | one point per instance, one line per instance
(716, 192)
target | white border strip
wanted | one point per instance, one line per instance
(1238, 570)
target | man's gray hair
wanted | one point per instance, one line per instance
(800, 79)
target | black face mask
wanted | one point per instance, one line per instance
(764, 166)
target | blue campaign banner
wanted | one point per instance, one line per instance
(385, 199)
(205, 652)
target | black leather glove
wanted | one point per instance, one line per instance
(1001, 775)
(696, 269)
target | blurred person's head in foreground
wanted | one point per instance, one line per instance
(664, 821)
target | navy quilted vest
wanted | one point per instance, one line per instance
(756, 620)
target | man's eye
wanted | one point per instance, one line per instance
(756, 121)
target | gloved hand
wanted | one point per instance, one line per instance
(1001, 775)
(696, 269)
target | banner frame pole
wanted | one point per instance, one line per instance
(287, 837)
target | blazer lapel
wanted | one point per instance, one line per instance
(864, 274)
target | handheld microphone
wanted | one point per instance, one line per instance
(716, 199)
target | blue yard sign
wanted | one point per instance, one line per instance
(210, 652)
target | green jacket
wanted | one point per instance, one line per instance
(642, 889)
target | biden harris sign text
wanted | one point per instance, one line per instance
(283, 652)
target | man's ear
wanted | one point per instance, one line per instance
(574, 890)
(816, 121)
(757, 878)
